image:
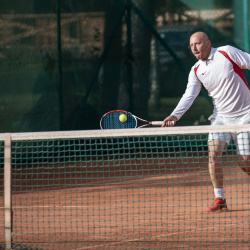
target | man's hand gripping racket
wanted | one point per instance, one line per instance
(120, 119)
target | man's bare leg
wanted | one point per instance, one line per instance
(216, 149)
(244, 163)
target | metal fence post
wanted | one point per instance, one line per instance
(59, 54)
(129, 59)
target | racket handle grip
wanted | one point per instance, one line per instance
(159, 123)
(156, 123)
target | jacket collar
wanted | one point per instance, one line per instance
(210, 57)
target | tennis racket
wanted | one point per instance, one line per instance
(111, 120)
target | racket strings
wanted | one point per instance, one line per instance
(111, 121)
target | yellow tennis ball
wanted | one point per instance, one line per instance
(123, 118)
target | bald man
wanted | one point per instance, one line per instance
(219, 70)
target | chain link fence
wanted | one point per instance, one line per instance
(65, 63)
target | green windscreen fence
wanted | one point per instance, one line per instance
(63, 64)
(123, 189)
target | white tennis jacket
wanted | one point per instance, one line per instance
(222, 76)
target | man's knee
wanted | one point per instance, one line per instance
(216, 148)
(245, 163)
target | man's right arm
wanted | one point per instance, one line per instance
(192, 91)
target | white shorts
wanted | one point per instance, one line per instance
(241, 139)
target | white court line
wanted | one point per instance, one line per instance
(163, 235)
(113, 206)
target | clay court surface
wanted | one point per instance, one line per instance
(127, 204)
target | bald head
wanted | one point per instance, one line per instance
(200, 45)
(201, 35)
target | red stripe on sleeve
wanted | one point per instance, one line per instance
(195, 70)
(236, 68)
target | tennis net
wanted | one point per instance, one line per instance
(120, 189)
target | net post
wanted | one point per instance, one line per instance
(7, 191)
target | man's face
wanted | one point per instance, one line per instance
(200, 46)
